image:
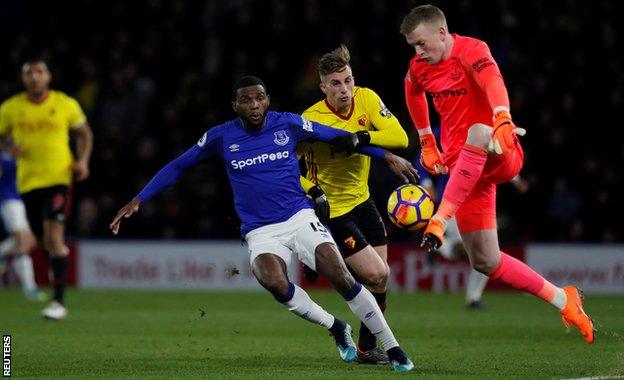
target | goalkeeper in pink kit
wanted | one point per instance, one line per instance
(480, 149)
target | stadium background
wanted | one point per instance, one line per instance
(153, 75)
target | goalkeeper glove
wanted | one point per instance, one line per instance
(430, 156)
(503, 136)
(348, 143)
(321, 204)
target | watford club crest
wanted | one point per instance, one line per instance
(350, 242)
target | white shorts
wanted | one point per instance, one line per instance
(299, 235)
(13, 215)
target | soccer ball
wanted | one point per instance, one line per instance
(410, 207)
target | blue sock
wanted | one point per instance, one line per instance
(289, 295)
(354, 291)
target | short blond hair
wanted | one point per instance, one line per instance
(334, 61)
(420, 14)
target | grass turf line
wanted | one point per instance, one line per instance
(117, 334)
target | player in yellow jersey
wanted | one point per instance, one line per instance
(354, 220)
(35, 127)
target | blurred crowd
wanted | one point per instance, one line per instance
(153, 75)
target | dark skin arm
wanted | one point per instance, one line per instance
(401, 167)
(125, 212)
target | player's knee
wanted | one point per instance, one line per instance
(377, 277)
(56, 249)
(25, 241)
(484, 266)
(48, 246)
(25, 246)
(276, 284)
(384, 278)
(479, 135)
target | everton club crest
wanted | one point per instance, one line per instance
(281, 138)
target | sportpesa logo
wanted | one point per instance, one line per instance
(259, 159)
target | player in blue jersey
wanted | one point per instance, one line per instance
(259, 152)
(20, 240)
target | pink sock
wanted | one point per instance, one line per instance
(519, 275)
(465, 175)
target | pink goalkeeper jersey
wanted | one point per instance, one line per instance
(459, 88)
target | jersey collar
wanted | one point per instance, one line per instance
(37, 102)
(338, 113)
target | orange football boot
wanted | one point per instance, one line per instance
(433, 237)
(573, 314)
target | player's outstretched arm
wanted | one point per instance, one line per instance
(167, 176)
(125, 212)
(348, 142)
(171, 172)
(402, 168)
(319, 132)
(478, 61)
(388, 132)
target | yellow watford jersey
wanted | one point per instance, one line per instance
(345, 179)
(42, 129)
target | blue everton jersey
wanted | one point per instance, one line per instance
(8, 184)
(263, 166)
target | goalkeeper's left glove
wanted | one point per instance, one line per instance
(430, 156)
(503, 136)
(348, 143)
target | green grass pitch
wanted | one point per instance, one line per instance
(121, 334)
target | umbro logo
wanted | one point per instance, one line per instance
(234, 147)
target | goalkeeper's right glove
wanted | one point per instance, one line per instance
(503, 135)
(430, 156)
